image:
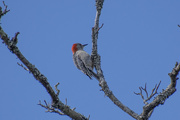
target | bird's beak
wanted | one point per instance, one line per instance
(85, 45)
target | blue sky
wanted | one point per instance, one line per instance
(138, 44)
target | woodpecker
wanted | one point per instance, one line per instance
(82, 59)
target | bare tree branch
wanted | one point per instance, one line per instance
(23, 66)
(63, 109)
(148, 108)
(97, 63)
(161, 98)
(50, 108)
(140, 93)
(145, 90)
(5, 10)
(154, 92)
(56, 103)
(58, 91)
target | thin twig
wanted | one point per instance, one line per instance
(88, 117)
(58, 91)
(66, 101)
(141, 94)
(23, 66)
(154, 92)
(161, 98)
(100, 27)
(50, 108)
(145, 90)
(73, 108)
(56, 103)
(5, 10)
(15, 39)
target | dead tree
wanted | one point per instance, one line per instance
(61, 108)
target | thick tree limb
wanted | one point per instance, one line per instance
(63, 109)
(56, 103)
(161, 98)
(148, 108)
(97, 63)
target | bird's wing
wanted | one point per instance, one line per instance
(75, 61)
(83, 67)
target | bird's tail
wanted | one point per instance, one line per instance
(93, 74)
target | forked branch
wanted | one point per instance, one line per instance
(50, 108)
(153, 93)
(162, 97)
(56, 105)
(148, 108)
(97, 63)
(4, 11)
(63, 109)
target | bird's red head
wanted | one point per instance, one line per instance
(74, 48)
(77, 46)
